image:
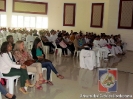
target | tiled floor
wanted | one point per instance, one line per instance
(80, 81)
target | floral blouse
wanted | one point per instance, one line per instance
(22, 57)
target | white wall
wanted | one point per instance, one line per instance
(83, 17)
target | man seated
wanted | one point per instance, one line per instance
(23, 37)
(49, 37)
(35, 33)
(47, 43)
(72, 36)
(10, 39)
(54, 35)
(79, 42)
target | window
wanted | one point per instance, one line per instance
(29, 22)
(26, 21)
(32, 22)
(97, 13)
(42, 22)
(45, 23)
(14, 21)
(125, 19)
(3, 20)
(20, 21)
(39, 22)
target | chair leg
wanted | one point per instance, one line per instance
(32, 77)
(0, 96)
(103, 54)
(16, 82)
(7, 83)
(77, 54)
(11, 86)
(60, 52)
(51, 76)
(74, 54)
(55, 51)
(46, 50)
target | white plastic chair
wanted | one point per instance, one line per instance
(36, 37)
(78, 52)
(29, 45)
(3, 39)
(10, 82)
(45, 49)
(58, 50)
(29, 73)
(46, 74)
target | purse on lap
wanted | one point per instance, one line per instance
(29, 62)
(44, 60)
(62, 44)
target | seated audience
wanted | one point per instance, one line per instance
(47, 43)
(21, 56)
(10, 39)
(60, 43)
(48, 36)
(9, 68)
(54, 35)
(79, 42)
(35, 33)
(69, 43)
(104, 44)
(39, 56)
(72, 36)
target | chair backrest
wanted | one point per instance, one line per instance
(1, 75)
(1, 41)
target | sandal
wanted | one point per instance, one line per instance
(43, 81)
(23, 91)
(39, 87)
(13, 97)
(49, 82)
(60, 76)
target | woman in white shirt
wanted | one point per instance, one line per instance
(10, 68)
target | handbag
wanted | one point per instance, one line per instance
(62, 44)
(44, 60)
(109, 46)
(29, 62)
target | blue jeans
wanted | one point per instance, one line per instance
(49, 67)
(3, 90)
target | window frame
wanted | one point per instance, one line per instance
(119, 16)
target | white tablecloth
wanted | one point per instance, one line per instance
(89, 59)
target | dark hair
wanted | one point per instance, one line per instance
(4, 47)
(36, 41)
(8, 37)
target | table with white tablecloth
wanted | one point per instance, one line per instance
(89, 59)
